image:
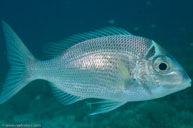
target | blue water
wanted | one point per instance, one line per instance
(37, 22)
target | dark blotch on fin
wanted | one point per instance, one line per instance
(150, 53)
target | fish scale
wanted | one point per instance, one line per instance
(84, 65)
(126, 43)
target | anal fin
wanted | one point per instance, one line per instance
(63, 97)
(104, 106)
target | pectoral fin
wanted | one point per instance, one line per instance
(123, 70)
(125, 79)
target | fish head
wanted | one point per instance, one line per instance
(167, 75)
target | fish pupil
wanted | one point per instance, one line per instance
(163, 66)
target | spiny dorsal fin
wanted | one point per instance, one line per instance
(56, 48)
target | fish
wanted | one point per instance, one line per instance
(110, 65)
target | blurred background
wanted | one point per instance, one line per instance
(37, 22)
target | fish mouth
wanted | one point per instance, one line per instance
(186, 83)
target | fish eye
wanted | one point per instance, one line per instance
(162, 64)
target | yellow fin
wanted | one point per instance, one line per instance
(124, 73)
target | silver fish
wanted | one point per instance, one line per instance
(108, 64)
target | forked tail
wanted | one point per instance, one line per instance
(19, 58)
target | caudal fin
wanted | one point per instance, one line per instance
(19, 57)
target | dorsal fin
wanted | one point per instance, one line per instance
(56, 48)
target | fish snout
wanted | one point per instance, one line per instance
(186, 81)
